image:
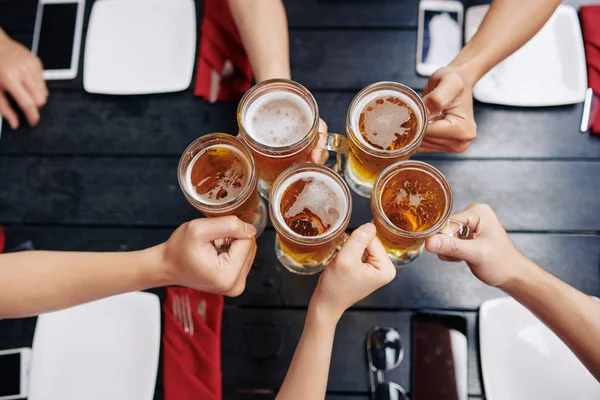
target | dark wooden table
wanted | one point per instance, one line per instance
(99, 173)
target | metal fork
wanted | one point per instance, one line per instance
(182, 310)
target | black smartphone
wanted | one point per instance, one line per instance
(439, 356)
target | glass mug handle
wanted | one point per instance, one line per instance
(222, 245)
(457, 229)
(338, 144)
(441, 115)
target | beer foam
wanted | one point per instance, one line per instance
(322, 195)
(383, 139)
(227, 181)
(278, 119)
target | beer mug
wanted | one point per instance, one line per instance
(386, 123)
(411, 202)
(310, 209)
(217, 176)
(278, 119)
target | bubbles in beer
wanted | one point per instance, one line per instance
(413, 200)
(218, 174)
(312, 204)
(278, 119)
(387, 120)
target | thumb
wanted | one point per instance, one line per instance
(209, 229)
(443, 95)
(450, 246)
(357, 243)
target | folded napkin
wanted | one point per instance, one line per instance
(223, 70)
(192, 364)
(590, 26)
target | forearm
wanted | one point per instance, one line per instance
(508, 25)
(263, 27)
(307, 375)
(571, 314)
(34, 282)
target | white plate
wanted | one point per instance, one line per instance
(140, 47)
(548, 71)
(106, 349)
(521, 359)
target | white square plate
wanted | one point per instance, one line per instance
(140, 47)
(106, 349)
(548, 71)
(521, 359)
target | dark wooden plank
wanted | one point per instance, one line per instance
(82, 123)
(78, 123)
(429, 283)
(270, 336)
(18, 15)
(350, 60)
(527, 195)
(352, 13)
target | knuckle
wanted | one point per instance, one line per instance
(461, 147)
(233, 222)
(195, 227)
(236, 290)
(435, 100)
(224, 285)
(451, 247)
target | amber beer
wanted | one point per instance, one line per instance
(412, 202)
(218, 177)
(278, 119)
(310, 209)
(386, 123)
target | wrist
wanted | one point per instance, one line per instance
(322, 315)
(524, 271)
(154, 267)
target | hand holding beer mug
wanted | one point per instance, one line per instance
(218, 177)
(279, 121)
(412, 202)
(386, 123)
(310, 209)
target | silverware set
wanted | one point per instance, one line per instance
(182, 310)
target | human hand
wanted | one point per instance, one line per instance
(448, 91)
(491, 255)
(347, 279)
(191, 259)
(21, 77)
(320, 155)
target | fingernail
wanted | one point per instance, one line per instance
(250, 229)
(370, 227)
(435, 243)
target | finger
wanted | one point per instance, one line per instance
(25, 101)
(380, 260)
(377, 255)
(470, 217)
(7, 112)
(450, 246)
(209, 229)
(443, 94)
(319, 156)
(357, 243)
(431, 148)
(449, 259)
(452, 127)
(240, 283)
(323, 126)
(36, 91)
